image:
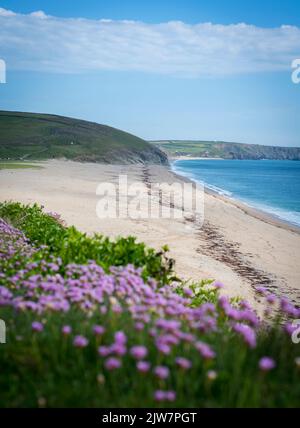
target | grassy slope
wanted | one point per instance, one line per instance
(43, 136)
(227, 150)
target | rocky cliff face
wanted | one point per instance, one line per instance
(226, 150)
(248, 151)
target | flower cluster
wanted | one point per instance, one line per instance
(170, 319)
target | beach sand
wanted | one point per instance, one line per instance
(236, 245)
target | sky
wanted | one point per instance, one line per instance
(193, 69)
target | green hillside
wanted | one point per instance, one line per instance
(226, 150)
(42, 136)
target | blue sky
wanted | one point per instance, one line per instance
(174, 80)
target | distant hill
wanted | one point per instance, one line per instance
(44, 136)
(225, 150)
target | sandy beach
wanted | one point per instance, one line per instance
(236, 245)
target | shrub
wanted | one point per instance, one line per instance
(72, 246)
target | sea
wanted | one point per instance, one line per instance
(272, 186)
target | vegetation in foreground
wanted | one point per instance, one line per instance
(96, 323)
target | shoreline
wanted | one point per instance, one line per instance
(179, 158)
(247, 208)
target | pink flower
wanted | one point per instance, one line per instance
(163, 348)
(160, 395)
(289, 328)
(37, 326)
(118, 349)
(143, 366)
(271, 298)
(261, 290)
(162, 372)
(170, 395)
(266, 364)
(104, 351)
(98, 330)
(80, 341)
(139, 352)
(188, 292)
(113, 363)
(139, 326)
(205, 350)
(120, 337)
(66, 330)
(218, 284)
(247, 333)
(183, 363)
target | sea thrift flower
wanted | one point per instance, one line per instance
(104, 351)
(271, 298)
(117, 309)
(162, 372)
(118, 349)
(139, 326)
(139, 352)
(289, 328)
(80, 341)
(205, 350)
(120, 337)
(170, 395)
(188, 292)
(163, 348)
(261, 290)
(143, 366)
(66, 330)
(247, 332)
(183, 363)
(112, 363)
(266, 364)
(98, 330)
(288, 308)
(159, 395)
(37, 326)
(218, 284)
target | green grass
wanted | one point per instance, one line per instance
(42, 136)
(12, 165)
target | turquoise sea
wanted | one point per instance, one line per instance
(271, 186)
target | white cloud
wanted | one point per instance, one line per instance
(39, 14)
(46, 43)
(6, 12)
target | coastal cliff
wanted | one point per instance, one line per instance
(226, 150)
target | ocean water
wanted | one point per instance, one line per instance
(271, 186)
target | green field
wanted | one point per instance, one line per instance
(42, 136)
(13, 165)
